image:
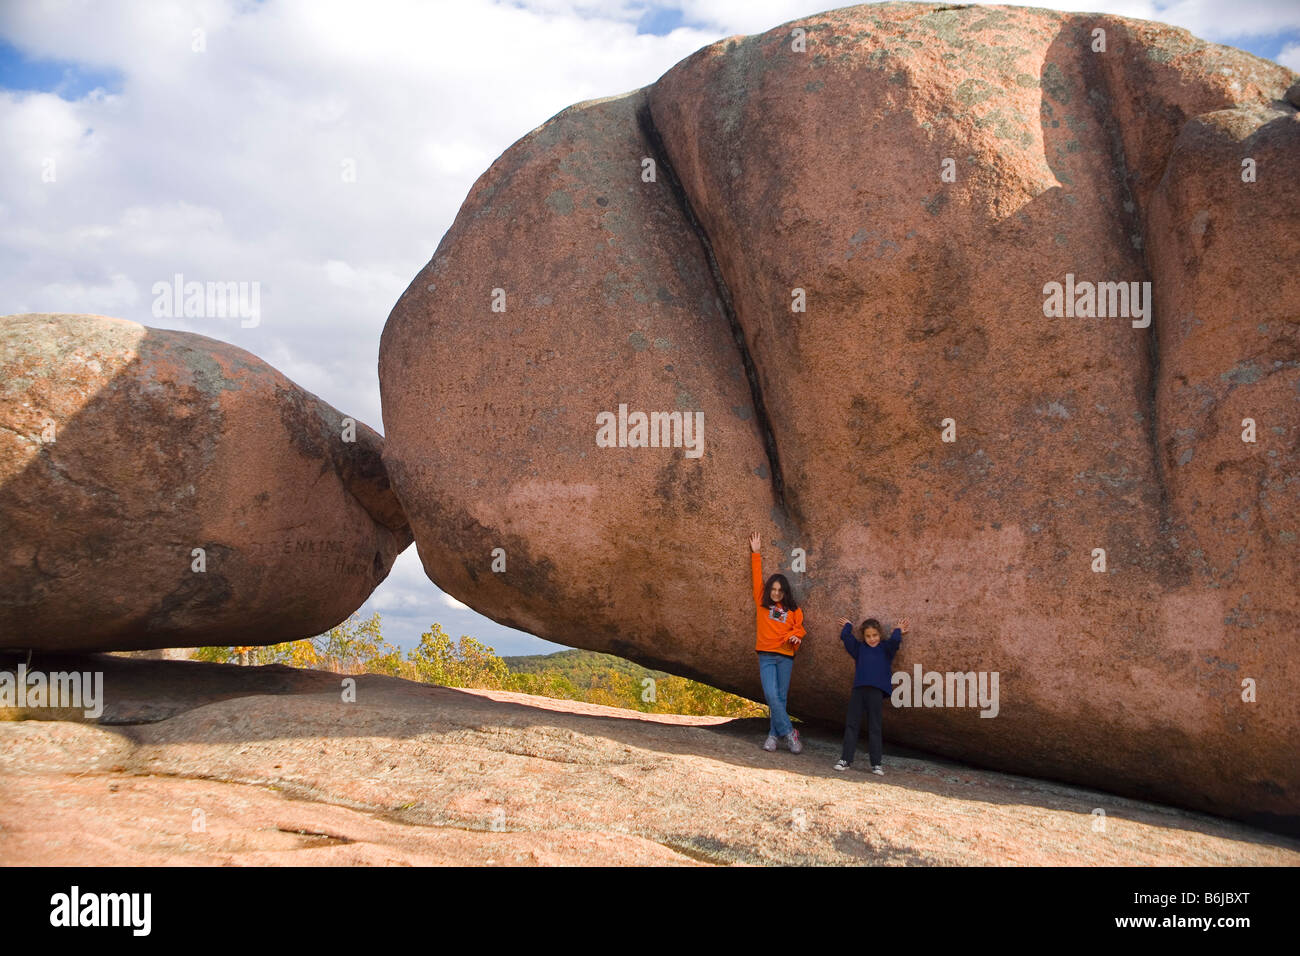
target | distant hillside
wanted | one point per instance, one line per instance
(582, 668)
(357, 646)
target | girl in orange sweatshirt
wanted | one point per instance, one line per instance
(779, 623)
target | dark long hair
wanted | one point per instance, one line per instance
(787, 595)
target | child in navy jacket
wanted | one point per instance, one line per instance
(872, 683)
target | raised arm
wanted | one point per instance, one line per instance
(892, 644)
(846, 636)
(756, 567)
(850, 643)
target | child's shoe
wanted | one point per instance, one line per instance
(793, 740)
(878, 770)
(842, 764)
(769, 744)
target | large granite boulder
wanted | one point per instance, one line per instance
(875, 254)
(162, 489)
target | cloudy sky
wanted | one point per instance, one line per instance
(322, 148)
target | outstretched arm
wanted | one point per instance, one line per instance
(756, 567)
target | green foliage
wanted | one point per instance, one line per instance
(583, 668)
(678, 695)
(468, 663)
(357, 646)
(546, 685)
(605, 679)
(354, 647)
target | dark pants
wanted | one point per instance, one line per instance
(873, 698)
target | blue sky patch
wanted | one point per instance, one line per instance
(660, 21)
(70, 81)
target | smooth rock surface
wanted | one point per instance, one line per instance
(268, 766)
(821, 171)
(124, 448)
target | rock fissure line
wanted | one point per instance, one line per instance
(645, 119)
(1135, 223)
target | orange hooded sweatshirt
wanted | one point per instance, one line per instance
(776, 625)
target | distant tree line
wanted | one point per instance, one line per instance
(357, 646)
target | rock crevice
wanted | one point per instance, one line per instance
(663, 162)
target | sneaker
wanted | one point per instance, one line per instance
(793, 741)
(842, 764)
(879, 770)
(770, 743)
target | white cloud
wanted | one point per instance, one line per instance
(1221, 21)
(408, 604)
(109, 297)
(228, 164)
(1226, 20)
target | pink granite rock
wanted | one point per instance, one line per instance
(124, 449)
(917, 178)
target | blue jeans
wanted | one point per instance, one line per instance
(774, 671)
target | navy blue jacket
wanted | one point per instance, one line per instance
(873, 668)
